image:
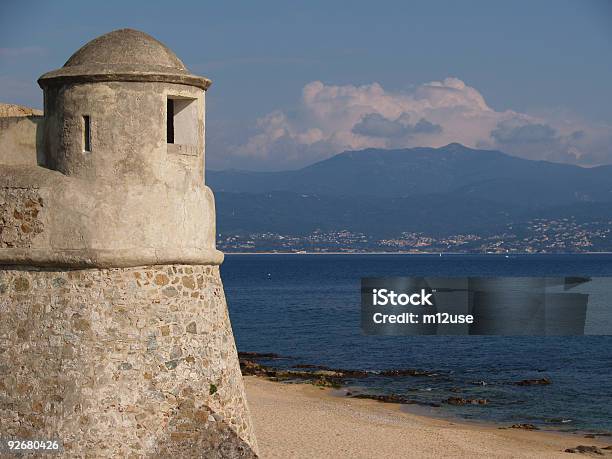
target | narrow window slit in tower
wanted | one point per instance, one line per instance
(170, 121)
(86, 133)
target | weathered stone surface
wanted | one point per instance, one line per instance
(13, 111)
(20, 136)
(112, 365)
(21, 212)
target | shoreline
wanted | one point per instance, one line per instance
(303, 420)
(336, 380)
(435, 254)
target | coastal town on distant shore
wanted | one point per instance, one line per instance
(564, 235)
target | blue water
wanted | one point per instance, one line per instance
(308, 307)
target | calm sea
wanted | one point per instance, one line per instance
(307, 307)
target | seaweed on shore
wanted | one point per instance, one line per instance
(324, 376)
(460, 401)
(391, 398)
(321, 378)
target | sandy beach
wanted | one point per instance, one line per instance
(304, 421)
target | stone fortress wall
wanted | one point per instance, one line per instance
(115, 336)
(128, 361)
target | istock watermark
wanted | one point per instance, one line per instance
(486, 306)
(383, 297)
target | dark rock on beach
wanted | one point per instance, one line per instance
(352, 373)
(388, 398)
(391, 398)
(308, 365)
(459, 401)
(249, 362)
(343, 371)
(317, 378)
(391, 373)
(321, 378)
(250, 368)
(524, 426)
(582, 449)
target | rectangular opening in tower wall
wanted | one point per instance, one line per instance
(86, 133)
(182, 121)
(170, 121)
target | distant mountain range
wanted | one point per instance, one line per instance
(447, 190)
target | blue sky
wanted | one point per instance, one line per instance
(295, 82)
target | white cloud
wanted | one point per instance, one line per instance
(330, 119)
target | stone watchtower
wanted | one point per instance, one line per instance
(115, 336)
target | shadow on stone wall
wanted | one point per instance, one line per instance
(200, 432)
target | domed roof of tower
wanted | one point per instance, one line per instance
(125, 46)
(124, 55)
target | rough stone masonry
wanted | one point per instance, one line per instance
(114, 333)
